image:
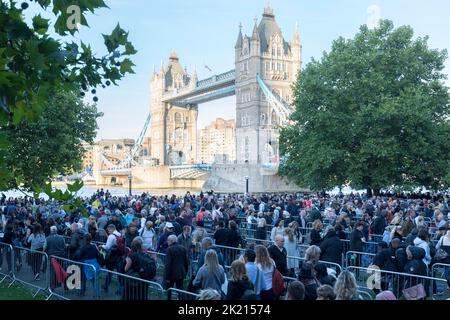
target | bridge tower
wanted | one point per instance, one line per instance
(173, 129)
(277, 62)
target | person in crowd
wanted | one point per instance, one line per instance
(346, 287)
(266, 265)
(325, 292)
(306, 276)
(221, 234)
(162, 241)
(176, 264)
(295, 291)
(290, 244)
(278, 253)
(278, 230)
(38, 243)
(261, 231)
(185, 239)
(130, 234)
(315, 234)
(56, 246)
(207, 244)
(331, 248)
(234, 237)
(211, 274)
(88, 254)
(198, 235)
(148, 235)
(254, 273)
(422, 241)
(240, 287)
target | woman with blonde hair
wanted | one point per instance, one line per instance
(239, 287)
(211, 275)
(290, 244)
(267, 266)
(346, 287)
(316, 237)
(261, 231)
(297, 234)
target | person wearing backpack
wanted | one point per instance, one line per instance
(115, 250)
(240, 287)
(176, 265)
(139, 266)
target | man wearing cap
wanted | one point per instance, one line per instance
(56, 245)
(162, 242)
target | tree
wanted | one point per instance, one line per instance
(33, 63)
(52, 145)
(372, 113)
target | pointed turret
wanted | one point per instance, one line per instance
(296, 39)
(255, 35)
(239, 39)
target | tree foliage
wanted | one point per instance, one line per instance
(51, 145)
(372, 113)
(33, 62)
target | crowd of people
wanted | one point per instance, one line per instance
(412, 233)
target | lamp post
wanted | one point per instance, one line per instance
(130, 177)
(246, 183)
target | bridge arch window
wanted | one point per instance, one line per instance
(263, 118)
(274, 118)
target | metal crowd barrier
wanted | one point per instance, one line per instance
(330, 265)
(118, 286)
(230, 254)
(380, 280)
(358, 259)
(73, 280)
(7, 272)
(259, 241)
(441, 271)
(177, 294)
(33, 270)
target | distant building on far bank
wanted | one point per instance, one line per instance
(217, 142)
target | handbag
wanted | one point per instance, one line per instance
(441, 254)
(278, 286)
(416, 292)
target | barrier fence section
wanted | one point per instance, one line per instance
(73, 280)
(381, 280)
(177, 294)
(7, 255)
(33, 269)
(358, 259)
(441, 271)
(230, 254)
(119, 286)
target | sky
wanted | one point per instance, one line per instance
(204, 32)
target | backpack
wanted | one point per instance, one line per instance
(147, 267)
(120, 243)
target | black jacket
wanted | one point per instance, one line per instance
(356, 243)
(237, 288)
(316, 238)
(177, 263)
(221, 237)
(280, 258)
(378, 225)
(234, 238)
(331, 248)
(416, 266)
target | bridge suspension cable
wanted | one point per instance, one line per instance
(128, 161)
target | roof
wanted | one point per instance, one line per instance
(267, 28)
(173, 68)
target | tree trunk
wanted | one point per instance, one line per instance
(369, 192)
(376, 192)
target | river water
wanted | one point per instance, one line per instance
(88, 191)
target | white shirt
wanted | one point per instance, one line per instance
(112, 240)
(147, 237)
(268, 274)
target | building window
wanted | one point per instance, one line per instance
(279, 52)
(263, 118)
(178, 118)
(273, 51)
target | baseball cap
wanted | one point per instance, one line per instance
(169, 225)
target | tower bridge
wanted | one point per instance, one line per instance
(266, 67)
